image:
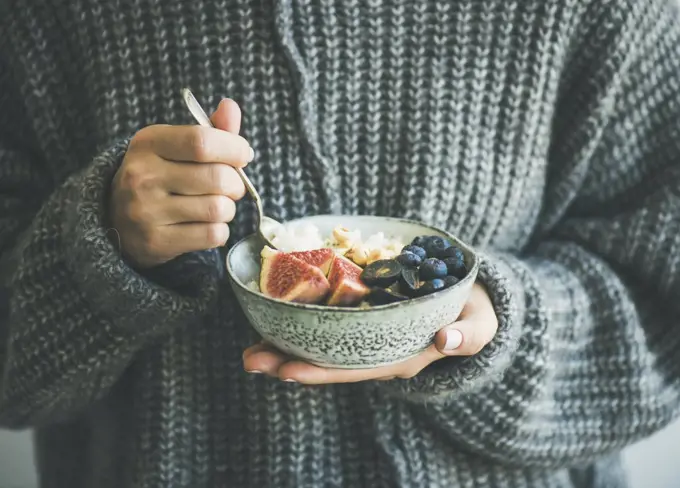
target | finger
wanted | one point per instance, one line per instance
(263, 358)
(265, 361)
(176, 239)
(203, 179)
(227, 116)
(466, 337)
(309, 374)
(179, 209)
(260, 347)
(255, 348)
(195, 143)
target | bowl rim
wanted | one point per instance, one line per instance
(471, 275)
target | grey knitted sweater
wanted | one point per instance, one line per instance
(544, 132)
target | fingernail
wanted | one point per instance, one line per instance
(290, 380)
(454, 338)
(253, 371)
(251, 155)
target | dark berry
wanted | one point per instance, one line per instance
(431, 286)
(409, 281)
(381, 273)
(409, 259)
(453, 252)
(455, 264)
(449, 281)
(383, 296)
(432, 268)
(436, 246)
(420, 241)
(417, 250)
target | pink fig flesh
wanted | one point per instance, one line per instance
(287, 278)
(346, 287)
(321, 258)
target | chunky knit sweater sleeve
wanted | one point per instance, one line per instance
(585, 360)
(73, 313)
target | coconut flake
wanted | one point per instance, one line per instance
(301, 237)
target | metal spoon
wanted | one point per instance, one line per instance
(266, 225)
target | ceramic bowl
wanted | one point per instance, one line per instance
(340, 337)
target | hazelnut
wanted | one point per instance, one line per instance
(359, 255)
(344, 236)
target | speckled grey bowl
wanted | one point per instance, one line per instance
(349, 337)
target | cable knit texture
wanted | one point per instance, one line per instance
(546, 133)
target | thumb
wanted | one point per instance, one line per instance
(227, 116)
(464, 338)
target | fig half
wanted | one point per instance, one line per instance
(345, 283)
(321, 258)
(288, 278)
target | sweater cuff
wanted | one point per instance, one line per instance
(456, 375)
(162, 298)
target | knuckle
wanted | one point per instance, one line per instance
(142, 137)
(135, 177)
(219, 174)
(142, 245)
(228, 182)
(232, 184)
(131, 177)
(137, 213)
(217, 208)
(197, 141)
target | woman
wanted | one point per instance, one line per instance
(545, 133)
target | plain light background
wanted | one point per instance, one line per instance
(652, 463)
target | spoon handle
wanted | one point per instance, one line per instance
(203, 119)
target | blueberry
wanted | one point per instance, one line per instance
(450, 281)
(431, 286)
(417, 250)
(455, 263)
(452, 252)
(455, 268)
(420, 241)
(409, 259)
(432, 268)
(435, 246)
